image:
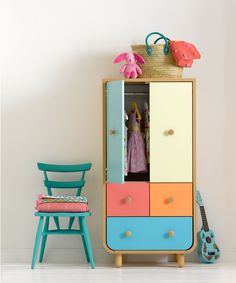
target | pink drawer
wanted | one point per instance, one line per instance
(129, 199)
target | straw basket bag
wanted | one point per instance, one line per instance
(159, 62)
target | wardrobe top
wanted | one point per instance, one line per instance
(147, 80)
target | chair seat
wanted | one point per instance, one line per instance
(63, 214)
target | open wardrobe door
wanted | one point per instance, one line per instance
(115, 132)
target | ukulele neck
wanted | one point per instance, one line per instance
(204, 219)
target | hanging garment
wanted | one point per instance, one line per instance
(146, 115)
(136, 148)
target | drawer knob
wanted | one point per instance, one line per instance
(170, 200)
(128, 234)
(128, 199)
(112, 132)
(171, 132)
(171, 233)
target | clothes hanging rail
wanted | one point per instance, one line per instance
(136, 93)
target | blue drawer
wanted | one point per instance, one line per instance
(149, 233)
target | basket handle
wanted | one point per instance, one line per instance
(149, 48)
(159, 38)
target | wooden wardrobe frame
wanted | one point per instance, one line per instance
(179, 253)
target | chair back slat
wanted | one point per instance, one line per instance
(64, 168)
(77, 184)
(64, 184)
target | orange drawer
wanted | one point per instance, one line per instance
(128, 199)
(171, 199)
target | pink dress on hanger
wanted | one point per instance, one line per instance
(136, 148)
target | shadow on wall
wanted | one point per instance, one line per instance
(74, 107)
(58, 120)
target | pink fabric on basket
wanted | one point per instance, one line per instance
(183, 53)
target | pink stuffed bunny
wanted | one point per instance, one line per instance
(130, 69)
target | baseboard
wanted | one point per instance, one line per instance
(54, 256)
(72, 256)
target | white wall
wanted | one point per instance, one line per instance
(55, 54)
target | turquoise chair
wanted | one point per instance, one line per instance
(44, 217)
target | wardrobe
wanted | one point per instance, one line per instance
(152, 212)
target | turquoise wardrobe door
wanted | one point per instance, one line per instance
(115, 132)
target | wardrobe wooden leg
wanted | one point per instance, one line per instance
(118, 260)
(180, 260)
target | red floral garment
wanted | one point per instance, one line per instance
(183, 53)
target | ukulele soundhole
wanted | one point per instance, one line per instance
(208, 239)
(211, 253)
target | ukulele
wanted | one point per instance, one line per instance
(207, 249)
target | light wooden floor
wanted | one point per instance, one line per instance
(49, 273)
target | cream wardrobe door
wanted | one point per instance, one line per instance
(171, 131)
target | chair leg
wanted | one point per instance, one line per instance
(83, 241)
(87, 241)
(44, 239)
(37, 241)
(71, 221)
(56, 220)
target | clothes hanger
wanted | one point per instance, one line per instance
(134, 106)
(145, 106)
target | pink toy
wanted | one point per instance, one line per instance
(183, 53)
(131, 69)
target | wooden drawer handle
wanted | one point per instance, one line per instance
(171, 233)
(128, 234)
(128, 199)
(170, 200)
(112, 132)
(171, 132)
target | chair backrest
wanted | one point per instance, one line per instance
(50, 184)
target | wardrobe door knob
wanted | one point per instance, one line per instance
(128, 199)
(128, 234)
(171, 132)
(171, 233)
(112, 132)
(170, 200)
